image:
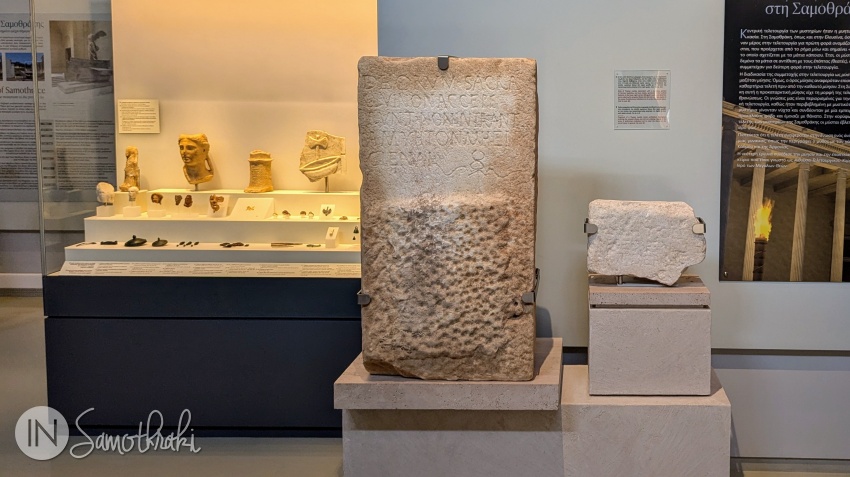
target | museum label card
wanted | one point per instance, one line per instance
(138, 116)
(642, 99)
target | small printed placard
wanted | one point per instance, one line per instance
(642, 99)
(138, 116)
(212, 269)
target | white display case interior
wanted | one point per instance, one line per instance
(251, 84)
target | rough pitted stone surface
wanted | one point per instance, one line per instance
(653, 240)
(449, 161)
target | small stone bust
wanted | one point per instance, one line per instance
(132, 193)
(105, 193)
(195, 152)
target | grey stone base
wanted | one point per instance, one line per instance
(590, 436)
(644, 436)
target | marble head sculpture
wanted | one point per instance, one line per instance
(105, 193)
(195, 152)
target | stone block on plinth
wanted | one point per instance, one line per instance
(644, 436)
(394, 426)
(649, 339)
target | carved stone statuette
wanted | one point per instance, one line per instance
(654, 240)
(260, 163)
(105, 193)
(156, 198)
(188, 202)
(448, 217)
(195, 152)
(321, 155)
(131, 169)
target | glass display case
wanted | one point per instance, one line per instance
(205, 178)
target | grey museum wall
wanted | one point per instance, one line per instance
(578, 46)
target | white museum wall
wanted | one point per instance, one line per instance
(254, 77)
(578, 46)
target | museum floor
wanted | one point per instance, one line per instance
(23, 385)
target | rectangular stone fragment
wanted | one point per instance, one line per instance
(449, 161)
(653, 240)
(644, 436)
(650, 351)
(357, 389)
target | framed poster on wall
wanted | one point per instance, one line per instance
(785, 155)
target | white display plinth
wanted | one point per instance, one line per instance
(105, 210)
(395, 426)
(643, 436)
(649, 340)
(131, 211)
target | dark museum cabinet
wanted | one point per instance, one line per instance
(246, 356)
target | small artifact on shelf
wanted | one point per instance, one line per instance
(132, 210)
(159, 242)
(156, 198)
(197, 163)
(85, 243)
(135, 242)
(106, 196)
(181, 244)
(303, 214)
(260, 179)
(109, 242)
(286, 244)
(314, 245)
(653, 240)
(285, 214)
(310, 214)
(321, 155)
(131, 169)
(188, 202)
(344, 217)
(105, 193)
(177, 199)
(132, 192)
(215, 201)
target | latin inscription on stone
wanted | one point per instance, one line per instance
(449, 161)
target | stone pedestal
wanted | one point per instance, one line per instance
(649, 339)
(395, 426)
(643, 436)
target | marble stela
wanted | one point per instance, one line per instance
(653, 240)
(449, 161)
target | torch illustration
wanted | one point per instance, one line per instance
(762, 233)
